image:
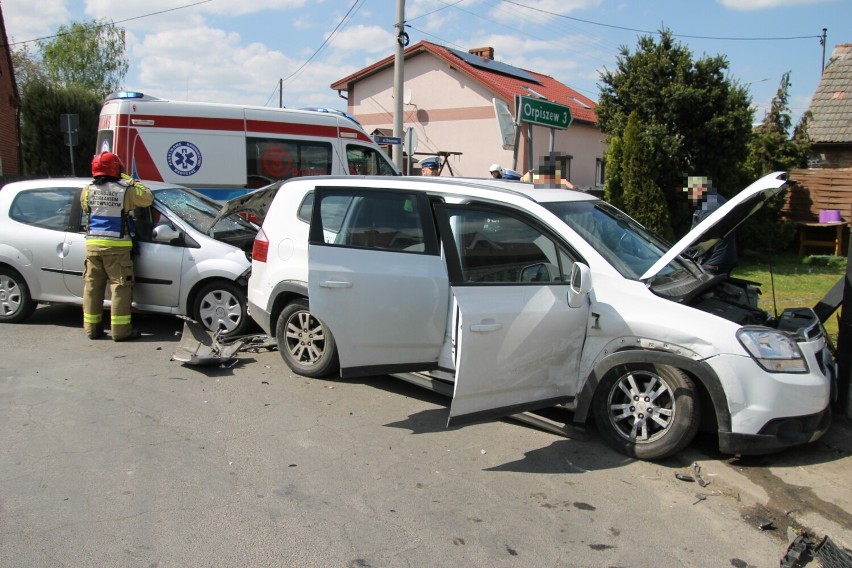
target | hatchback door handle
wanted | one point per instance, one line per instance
(486, 325)
(335, 284)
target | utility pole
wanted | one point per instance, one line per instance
(822, 43)
(398, 79)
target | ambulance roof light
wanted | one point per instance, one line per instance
(125, 95)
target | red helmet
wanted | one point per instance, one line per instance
(107, 164)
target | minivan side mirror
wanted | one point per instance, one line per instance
(581, 284)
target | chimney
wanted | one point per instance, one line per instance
(483, 52)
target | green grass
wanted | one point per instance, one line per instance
(799, 282)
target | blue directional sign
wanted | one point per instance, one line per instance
(387, 139)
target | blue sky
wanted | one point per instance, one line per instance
(236, 51)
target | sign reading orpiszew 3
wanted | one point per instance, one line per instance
(544, 113)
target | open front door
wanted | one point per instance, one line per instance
(378, 283)
(518, 337)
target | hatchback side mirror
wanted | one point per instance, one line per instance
(164, 234)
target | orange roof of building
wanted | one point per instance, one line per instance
(505, 86)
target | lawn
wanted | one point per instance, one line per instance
(798, 282)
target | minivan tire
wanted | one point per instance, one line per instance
(647, 411)
(305, 343)
(16, 303)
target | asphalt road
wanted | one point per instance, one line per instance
(115, 455)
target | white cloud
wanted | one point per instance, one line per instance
(753, 5)
(34, 19)
(211, 65)
(370, 39)
(134, 8)
(207, 64)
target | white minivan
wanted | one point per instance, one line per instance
(520, 298)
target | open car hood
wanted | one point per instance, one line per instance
(724, 220)
(253, 206)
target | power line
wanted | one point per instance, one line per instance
(656, 32)
(99, 26)
(328, 39)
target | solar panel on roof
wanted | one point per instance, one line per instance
(494, 66)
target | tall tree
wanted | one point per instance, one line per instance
(697, 120)
(90, 55)
(27, 67)
(773, 147)
(642, 195)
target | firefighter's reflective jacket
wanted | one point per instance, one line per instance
(107, 204)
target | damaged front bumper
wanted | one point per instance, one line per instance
(777, 434)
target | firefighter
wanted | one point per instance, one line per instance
(107, 202)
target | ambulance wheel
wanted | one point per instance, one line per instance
(647, 411)
(305, 343)
(221, 306)
(16, 304)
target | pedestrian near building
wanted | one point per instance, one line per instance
(107, 202)
(548, 175)
(722, 257)
(496, 171)
(430, 166)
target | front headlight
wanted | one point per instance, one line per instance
(773, 350)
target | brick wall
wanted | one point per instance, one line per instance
(9, 148)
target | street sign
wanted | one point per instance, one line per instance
(69, 125)
(387, 139)
(544, 113)
(410, 141)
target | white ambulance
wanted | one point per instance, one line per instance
(226, 150)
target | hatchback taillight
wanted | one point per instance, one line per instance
(260, 248)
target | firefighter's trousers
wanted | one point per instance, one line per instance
(116, 267)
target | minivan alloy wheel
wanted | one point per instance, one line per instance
(305, 343)
(647, 411)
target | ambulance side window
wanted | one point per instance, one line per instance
(271, 159)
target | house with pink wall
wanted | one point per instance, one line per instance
(449, 102)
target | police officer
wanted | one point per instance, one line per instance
(430, 166)
(107, 202)
(496, 171)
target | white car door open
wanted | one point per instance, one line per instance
(518, 339)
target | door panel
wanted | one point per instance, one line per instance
(381, 286)
(518, 349)
(518, 340)
(383, 308)
(157, 266)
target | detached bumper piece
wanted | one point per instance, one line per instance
(198, 346)
(777, 435)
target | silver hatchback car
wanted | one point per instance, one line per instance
(188, 259)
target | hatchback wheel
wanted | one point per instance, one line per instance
(16, 304)
(647, 411)
(221, 306)
(305, 344)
